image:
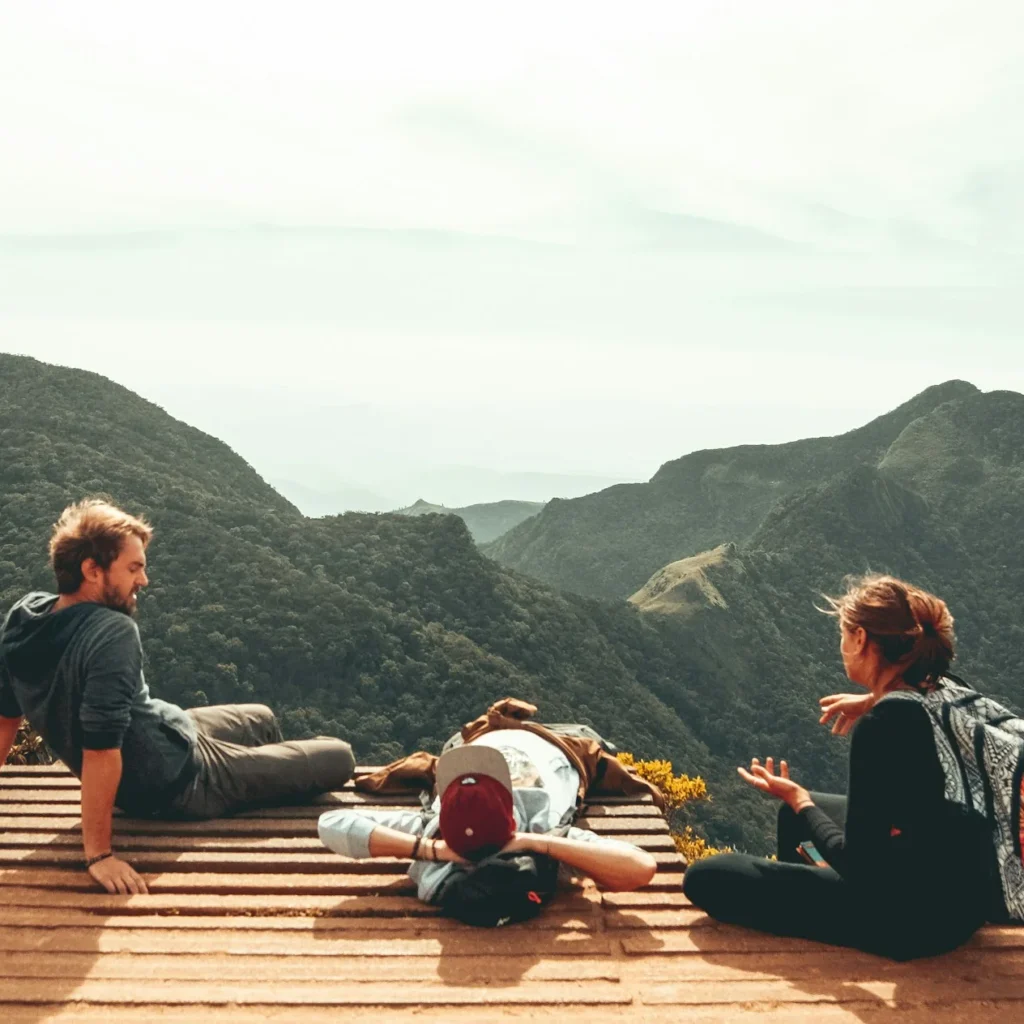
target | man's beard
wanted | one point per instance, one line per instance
(112, 598)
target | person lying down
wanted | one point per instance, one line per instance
(489, 847)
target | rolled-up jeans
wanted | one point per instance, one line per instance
(244, 762)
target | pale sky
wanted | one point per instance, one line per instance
(411, 248)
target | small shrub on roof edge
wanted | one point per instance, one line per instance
(679, 791)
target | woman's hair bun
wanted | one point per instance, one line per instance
(911, 627)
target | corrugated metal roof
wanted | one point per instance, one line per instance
(249, 918)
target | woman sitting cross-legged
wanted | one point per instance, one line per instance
(922, 850)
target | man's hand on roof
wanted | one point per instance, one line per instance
(117, 876)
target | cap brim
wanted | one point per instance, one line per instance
(470, 759)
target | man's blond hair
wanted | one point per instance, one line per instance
(93, 528)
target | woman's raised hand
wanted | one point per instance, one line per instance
(780, 786)
(845, 708)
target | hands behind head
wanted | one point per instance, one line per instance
(845, 708)
(531, 842)
(780, 786)
(441, 851)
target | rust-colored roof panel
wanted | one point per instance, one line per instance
(70, 839)
(251, 919)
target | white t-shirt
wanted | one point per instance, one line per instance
(536, 764)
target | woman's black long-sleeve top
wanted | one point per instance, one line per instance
(901, 834)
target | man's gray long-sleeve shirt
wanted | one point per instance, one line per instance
(76, 675)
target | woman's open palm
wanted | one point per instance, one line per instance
(780, 786)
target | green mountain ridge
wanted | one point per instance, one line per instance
(608, 544)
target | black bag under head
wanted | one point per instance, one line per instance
(501, 889)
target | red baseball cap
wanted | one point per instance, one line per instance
(475, 787)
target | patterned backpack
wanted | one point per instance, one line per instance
(981, 749)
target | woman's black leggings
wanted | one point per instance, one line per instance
(791, 898)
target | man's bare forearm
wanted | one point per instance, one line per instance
(8, 734)
(389, 842)
(101, 775)
(618, 866)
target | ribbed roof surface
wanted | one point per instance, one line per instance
(250, 918)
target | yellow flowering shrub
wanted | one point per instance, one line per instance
(679, 791)
(693, 847)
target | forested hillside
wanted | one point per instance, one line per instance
(385, 629)
(607, 544)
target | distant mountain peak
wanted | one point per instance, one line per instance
(419, 507)
(486, 521)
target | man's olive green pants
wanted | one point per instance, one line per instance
(244, 762)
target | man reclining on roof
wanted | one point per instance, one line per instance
(508, 790)
(71, 663)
